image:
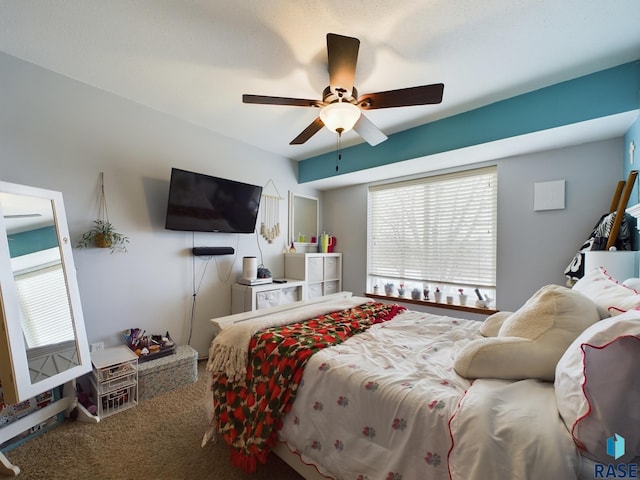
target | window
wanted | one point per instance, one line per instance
(44, 306)
(437, 231)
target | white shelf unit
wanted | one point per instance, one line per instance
(320, 272)
(247, 298)
(114, 381)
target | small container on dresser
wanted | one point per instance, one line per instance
(114, 380)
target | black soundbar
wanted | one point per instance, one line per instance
(213, 251)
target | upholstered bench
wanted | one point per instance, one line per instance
(167, 373)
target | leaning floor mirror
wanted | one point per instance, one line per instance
(43, 343)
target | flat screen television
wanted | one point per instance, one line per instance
(202, 203)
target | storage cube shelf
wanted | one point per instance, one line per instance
(114, 381)
(321, 272)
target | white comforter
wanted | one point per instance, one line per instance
(386, 404)
(511, 430)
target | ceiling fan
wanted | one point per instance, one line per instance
(341, 108)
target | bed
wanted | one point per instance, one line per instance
(394, 394)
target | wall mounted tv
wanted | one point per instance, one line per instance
(202, 203)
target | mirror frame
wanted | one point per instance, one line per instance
(292, 229)
(14, 367)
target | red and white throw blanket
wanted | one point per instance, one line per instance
(248, 411)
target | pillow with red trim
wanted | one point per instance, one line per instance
(597, 387)
(611, 296)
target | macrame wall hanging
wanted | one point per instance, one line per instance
(270, 222)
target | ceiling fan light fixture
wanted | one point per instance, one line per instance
(341, 105)
(340, 116)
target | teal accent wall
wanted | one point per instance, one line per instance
(608, 92)
(32, 241)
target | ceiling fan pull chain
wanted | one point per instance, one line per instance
(339, 157)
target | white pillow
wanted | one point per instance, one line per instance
(597, 387)
(611, 297)
(531, 340)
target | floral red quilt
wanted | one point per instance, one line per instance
(249, 412)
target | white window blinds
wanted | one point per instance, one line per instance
(44, 306)
(439, 229)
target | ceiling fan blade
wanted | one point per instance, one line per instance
(267, 100)
(403, 97)
(368, 131)
(343, 55)
(308, 132)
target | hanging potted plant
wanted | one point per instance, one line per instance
(103, 234)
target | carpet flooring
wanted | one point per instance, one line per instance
(159, 439)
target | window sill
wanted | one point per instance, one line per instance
(447, 306)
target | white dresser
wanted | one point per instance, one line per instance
(246, 298)
(309, 275)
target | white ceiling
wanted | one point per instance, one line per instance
(195, 58)
(23, 212)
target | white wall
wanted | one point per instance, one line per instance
(59, 134)
(533, 247)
